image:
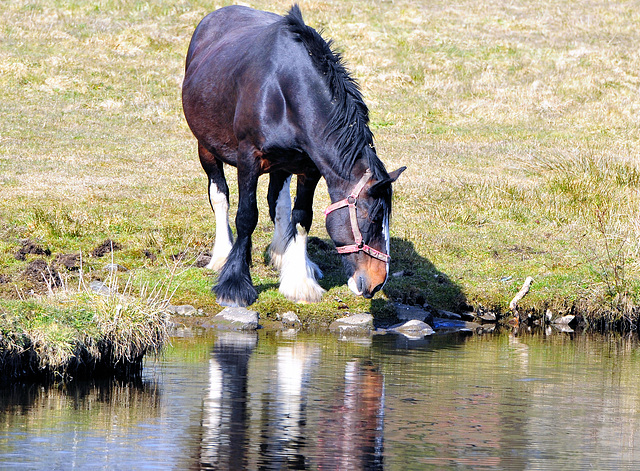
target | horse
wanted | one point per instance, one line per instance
(268, 95)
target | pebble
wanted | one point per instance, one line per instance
(100, 288)
(355, 324)
(564, 320)
(115, 267)
(291, 319)
(488, 317)
(236, 318)
(414, 329)
(409, 313)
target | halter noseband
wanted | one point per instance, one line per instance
(351, 202)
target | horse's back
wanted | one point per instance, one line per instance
(226, 25)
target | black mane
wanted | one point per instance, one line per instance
(349, 123)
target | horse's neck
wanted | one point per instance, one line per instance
(340, 186)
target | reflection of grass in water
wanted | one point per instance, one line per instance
(91, 405)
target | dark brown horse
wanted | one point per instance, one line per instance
(266, 94)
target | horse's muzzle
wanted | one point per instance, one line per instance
(361, 287)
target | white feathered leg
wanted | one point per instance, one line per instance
(224, 241)
(298, 273)
(282, 223)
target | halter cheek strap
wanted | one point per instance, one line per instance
(351, 202)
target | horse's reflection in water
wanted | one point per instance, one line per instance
(282, 412)
(224, 422)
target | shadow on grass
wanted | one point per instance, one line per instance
(413, 279)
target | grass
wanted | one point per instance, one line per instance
(79, 332)
(518, 124)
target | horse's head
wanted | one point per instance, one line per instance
(359, 226)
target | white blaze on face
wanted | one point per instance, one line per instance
(353, 286)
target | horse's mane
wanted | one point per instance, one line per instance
(349, 123)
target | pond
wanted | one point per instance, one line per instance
(286, 400)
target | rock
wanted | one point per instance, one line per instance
(563, 328)
(236, 318)
(564, 320)
(356, 324)
(290, 320)
(114, 267)
(409, 313)
(468, 316)
(488, 316)
(449, 315)
(100, 288)
(454, 325)
(414, 329)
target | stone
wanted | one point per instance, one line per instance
(236, 318)
(290, 320)
(454, 325)
(563, 328)
(564, 320)
(100, 288)
(113, 267)
(414, 329)
(449, 315)
(409, 313)
(488, 316)
(355, 324)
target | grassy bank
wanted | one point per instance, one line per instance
(519, 125)
(83, 332)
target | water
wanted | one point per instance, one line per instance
(286, 401)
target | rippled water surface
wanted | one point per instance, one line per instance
(287, 401)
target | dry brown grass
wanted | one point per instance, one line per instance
(518, 123)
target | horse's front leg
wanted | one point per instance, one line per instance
(298, 274)
(219, 200)
(234, 287)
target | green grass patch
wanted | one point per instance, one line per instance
(519, 128)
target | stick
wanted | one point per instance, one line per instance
(513, 305)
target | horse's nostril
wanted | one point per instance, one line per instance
(362, 286)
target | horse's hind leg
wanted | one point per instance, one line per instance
(279, 198)
(219, 200)
(298, 274)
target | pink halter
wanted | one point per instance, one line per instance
(351, 202)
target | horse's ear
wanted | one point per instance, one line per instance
(396, 173)
(380, 187)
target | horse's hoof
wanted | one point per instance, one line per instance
(227, 303)
(216, 264)
(234, 298)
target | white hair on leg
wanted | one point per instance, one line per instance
(223, 243)
(298, 274)
(282, 222)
